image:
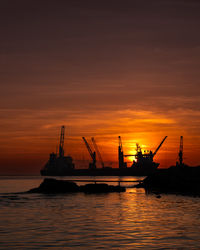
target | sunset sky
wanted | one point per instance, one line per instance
(102, 68)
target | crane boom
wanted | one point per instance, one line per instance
(92, 154)
(98, 152)
(88, 147)
(159, 146)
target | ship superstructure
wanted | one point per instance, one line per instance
(144, 161)
(58, 164)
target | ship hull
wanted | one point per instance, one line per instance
(100, 172)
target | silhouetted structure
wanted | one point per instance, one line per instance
(144, 161)
(92, 165)
(122, 164)
(61, 145)
(58, 164)
(98, 152)
(180, 154)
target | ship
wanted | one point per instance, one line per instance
(60, 165)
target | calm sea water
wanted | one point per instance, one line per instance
(130, 220)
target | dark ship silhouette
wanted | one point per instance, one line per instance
(60, 165)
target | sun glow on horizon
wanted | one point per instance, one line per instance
(131, 158)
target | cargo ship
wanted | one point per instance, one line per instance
(61, 165)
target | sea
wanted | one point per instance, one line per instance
(128, 220)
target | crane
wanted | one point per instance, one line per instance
(92, 154)
(97, 150)
(181, 151)
(122, 164)
(61, 145)
(159, 146)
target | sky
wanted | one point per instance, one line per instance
(102, 69)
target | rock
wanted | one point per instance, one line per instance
(50, 185)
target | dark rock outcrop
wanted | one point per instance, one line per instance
(185, 180)
(52, 186)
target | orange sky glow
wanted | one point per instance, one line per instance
(128, 68)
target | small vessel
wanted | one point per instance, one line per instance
(58, 164)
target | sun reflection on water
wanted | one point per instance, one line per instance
(130, 220)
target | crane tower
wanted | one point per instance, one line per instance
(122, 164)
(180, 155)
(98, 152)
(61, 146)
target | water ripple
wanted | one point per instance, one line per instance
(130, 220)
